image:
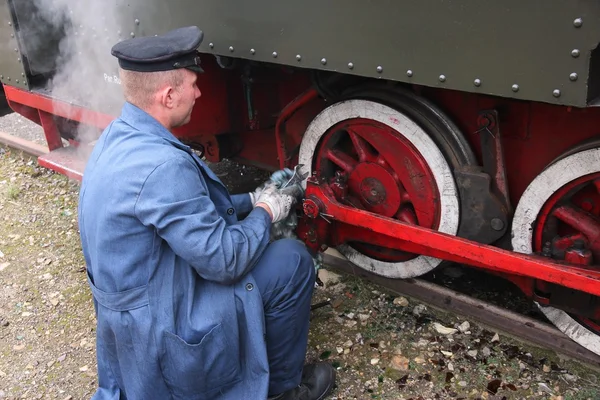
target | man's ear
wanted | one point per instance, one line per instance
(166, 97)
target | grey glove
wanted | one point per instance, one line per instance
(280, 202)
(257, 192)
(277, 177)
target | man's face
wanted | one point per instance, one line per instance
(187, 95)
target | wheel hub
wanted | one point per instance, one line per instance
(378, 190)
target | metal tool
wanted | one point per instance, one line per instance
(297, 177)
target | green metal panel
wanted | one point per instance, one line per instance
(525, 49)
(443, 43)
(12, 71)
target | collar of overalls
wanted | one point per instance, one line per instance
(140, 119)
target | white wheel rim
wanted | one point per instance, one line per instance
(449, 205)
(535, 196)
(573, 329)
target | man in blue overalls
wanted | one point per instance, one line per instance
(192, 300)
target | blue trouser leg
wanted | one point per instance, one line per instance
(285, 276)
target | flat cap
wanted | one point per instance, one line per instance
(175, 49)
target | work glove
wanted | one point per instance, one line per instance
(279, 201)
(277, 177)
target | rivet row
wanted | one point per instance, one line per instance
(442, 78)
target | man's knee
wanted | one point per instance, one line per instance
(294, 254)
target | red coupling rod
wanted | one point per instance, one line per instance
(428, 242)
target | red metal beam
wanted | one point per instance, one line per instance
(415, 239)
(57, 107)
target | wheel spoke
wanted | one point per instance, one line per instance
(381, 161)
(580, 220)
(565, 242)
(407, 215)
(361, 146)
(342, 160)
(597, 185)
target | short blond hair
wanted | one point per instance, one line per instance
(140, 87)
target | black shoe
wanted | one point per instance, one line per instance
(317, 382)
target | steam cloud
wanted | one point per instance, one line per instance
(85, 73)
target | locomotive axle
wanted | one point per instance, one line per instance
(322, 211)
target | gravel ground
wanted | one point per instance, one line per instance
(384, 346)
(15, 124)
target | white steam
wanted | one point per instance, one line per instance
(85, 73)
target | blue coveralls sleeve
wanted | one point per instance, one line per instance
(175, 201)
(242, 203)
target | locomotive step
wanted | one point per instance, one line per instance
(68, 161)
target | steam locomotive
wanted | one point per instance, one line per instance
(434, 131)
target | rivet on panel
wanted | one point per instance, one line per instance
(573, 76)
(350, 65)
(578, 22)
(323, 61)
(17, 81)
(298, 57)
(18, 59)
(556, 93)
(12, 35)
(515, 88)
(137, 21)
(379, 69)
(16, 50)
(1, 76)
(8, 77)
(23, 74)
(477, 82)
(409, 73)
(575, 53)
(230, 48)
(211, 45)
(274, 54)
(442, 78)
(10, 24)
(132, 34)
(252, 51)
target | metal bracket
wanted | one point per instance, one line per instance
(492, 154)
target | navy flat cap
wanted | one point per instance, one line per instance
(173, 50)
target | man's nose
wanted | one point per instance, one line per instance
(198, 93)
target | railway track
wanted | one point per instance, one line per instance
(508, 322)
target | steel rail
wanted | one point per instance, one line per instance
(24, 145)
(508, 322)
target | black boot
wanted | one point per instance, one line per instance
(317, 382)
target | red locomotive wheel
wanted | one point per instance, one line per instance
(385, 174)
(389, 157)
(559, 215)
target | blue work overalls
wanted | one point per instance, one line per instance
(192, 301)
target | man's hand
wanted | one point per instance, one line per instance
(278, 176)
(279, 202)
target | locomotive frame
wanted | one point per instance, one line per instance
(463, 131)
